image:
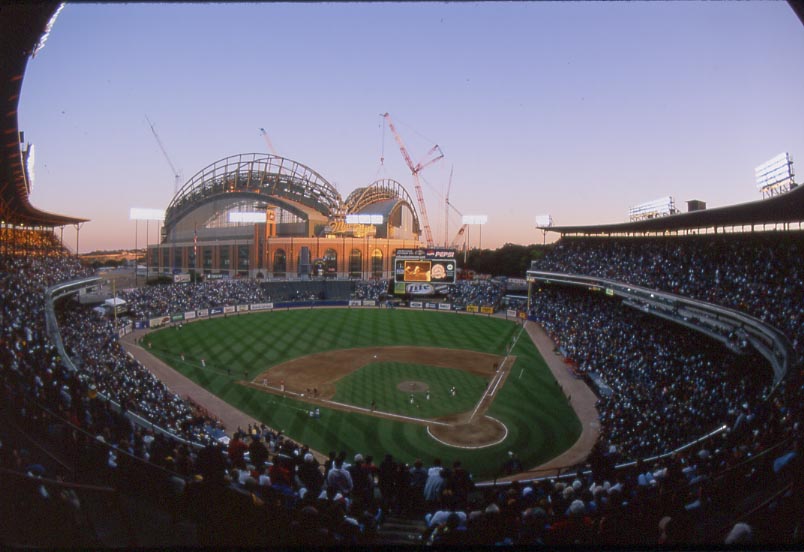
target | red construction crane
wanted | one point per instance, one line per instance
(415, 170)
(268, 141)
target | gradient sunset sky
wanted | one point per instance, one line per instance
(578, 110)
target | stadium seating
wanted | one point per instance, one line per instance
(668, 385)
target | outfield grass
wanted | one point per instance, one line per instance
(541, 424)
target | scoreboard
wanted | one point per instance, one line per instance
(424, 271)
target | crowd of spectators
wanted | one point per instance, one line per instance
(759, 274)
(159, 300)
(371, 289)
(482, 293)
(668, 383)
(91, 341)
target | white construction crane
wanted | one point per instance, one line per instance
(415, 170)
(176, 174)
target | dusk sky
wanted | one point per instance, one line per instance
(577, 110)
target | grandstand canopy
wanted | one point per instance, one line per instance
(21, 28)
(780, 209)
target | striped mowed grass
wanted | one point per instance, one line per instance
(539, 421)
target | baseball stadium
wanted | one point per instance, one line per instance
(298, 368)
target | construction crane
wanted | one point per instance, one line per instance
(268, 141)
(176, 174)
(446, 208)
(415, 170)
(458, 237)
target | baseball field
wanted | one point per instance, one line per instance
(415, 384)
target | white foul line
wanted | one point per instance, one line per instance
(497, 377)
(388, 414)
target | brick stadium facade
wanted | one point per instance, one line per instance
(305, 232)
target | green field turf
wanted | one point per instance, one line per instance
(541, 424)
(378, 381)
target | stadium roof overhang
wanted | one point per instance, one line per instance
(21, 28)
(781, 209)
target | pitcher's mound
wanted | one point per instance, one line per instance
(412, 386)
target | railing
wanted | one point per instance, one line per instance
(767, 340)
(51, 325)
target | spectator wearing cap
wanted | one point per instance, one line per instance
(361, 481)
(309, 475)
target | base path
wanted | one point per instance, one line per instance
(231, 417)
(583, 401)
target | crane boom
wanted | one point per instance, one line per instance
(446, 209)
(415, 170)
(176, 175)
(458, 236)
(268, 141)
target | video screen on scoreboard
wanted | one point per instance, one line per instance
(425, 265)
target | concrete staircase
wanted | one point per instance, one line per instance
(399, 530)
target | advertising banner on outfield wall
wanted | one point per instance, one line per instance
(228, 309)
(189, 315)
(181, 278)
(369, 303)
(355, 303)
(156, 322)
(471, 308)
(431, 305)
(125, 330)
(140, 324)
(419, 289)
(215, 310)
(487, 310)
(242, 308)
(178, 317)
(415, 304)
(511, 313)
(201, 313)
(444, 306)
(261, 306)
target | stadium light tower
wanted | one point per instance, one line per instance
(480, 220)
(543, 222)
(137, 214)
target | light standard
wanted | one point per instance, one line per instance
(136, 214)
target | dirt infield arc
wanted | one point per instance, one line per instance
(323, 370)
(583, 399)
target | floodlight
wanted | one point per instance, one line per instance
(474, 219)
(137, 213)
(543, 221)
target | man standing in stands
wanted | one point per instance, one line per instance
(237, 450)
(339, 477)
(257, 452)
